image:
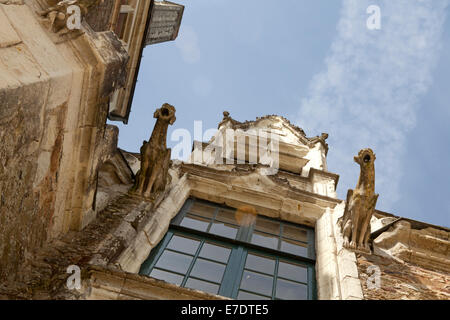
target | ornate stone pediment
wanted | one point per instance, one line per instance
(277, 123)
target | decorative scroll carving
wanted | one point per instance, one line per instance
(152, 177)
(360, 205)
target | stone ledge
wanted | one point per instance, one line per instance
(111, 284)
(426, 247)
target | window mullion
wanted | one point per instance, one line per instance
(239, 272)
(188, 272)
(212, 220)
(311, 240)
(280, 236)
(233, 273)
(275, 278)
(311, 283)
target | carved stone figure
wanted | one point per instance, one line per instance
(152, 177)
(360, 205)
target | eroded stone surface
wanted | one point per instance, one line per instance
(53, 99)
(402, 280)
(428, 247)
(103, 239)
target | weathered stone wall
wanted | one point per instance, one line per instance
(99, 17)
(45, 277)
(25, 210)
(402, 280)
(53, 105)
(29, 155)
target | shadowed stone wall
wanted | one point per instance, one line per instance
(100, 16)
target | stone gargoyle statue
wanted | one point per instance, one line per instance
(153, 175)
(360, 205)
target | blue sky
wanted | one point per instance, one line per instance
(317, 64)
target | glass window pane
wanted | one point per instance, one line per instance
(242, 295)
(259, 263)
(183, 244)
(202, 209)
(256, 282)
(202, 286)
(227, 216)
(194, 222)
(265, 240)
(224, 230)
(291, 291)
(295, 233)
(174, 261)
(293, 271)
(215, 252)
(294, 247)
(208, 270)
(269, 226)
(166, 276)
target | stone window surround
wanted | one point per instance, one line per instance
(336, 268)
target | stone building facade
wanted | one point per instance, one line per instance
(57, 84)
(252, 214)
(118, 251)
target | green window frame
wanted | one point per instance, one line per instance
(207, 249)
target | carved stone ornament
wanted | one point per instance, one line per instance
(234, 124)
(153, 175)
(360, 205)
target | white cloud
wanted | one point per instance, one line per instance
(187, 43)
(369, 93)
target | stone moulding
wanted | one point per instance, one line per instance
(336, 267)
(427, 247)
(109, 284)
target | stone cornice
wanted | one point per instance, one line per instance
(415, 224)
(225, 174)
(428, 247)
